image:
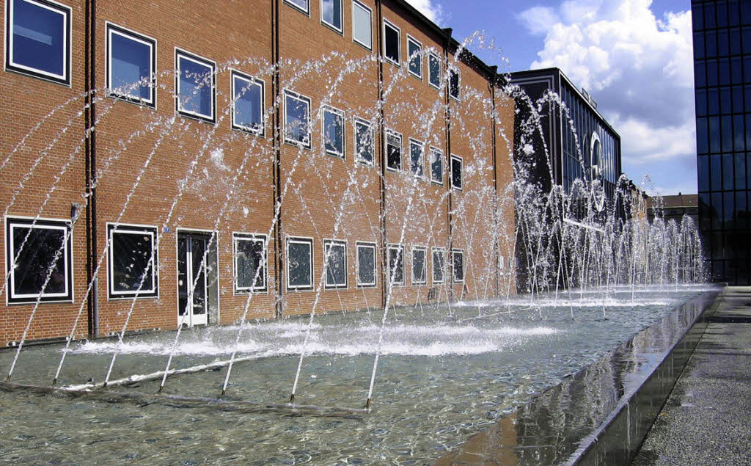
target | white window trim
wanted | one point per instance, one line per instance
(355, 4)
(340, 114)
(461, 172)
(299, 8)
(180, 53)
(415, 280)
(130, 228)
(440, 69)
(422, 157)
(419, 56)
(264, 239)
(67, 296)
(464, 266)
(336, 286)
(443, 166)
(391, 247)
(456, 70)
(339, 30)
(112, 28)
(399, 33)
(442, 251)
(300, 240)
(67, 13)
(369, 125)
(386, 152)
(304, 144)
(253, 81)
(374, 246)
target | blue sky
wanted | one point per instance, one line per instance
(633, 56)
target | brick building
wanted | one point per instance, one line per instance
(143, 179)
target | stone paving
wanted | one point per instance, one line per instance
(707, 419)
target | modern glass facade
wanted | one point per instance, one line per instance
(722, 72)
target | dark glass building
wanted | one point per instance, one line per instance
(722, 73)
(600, 145)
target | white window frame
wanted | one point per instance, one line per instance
(356, 4)
(66, 12)
(340, 30)
(300, 240)
(369, 245)
(67, 256)
(421, 144)
(461, 173)
(386, 150)
(299, 97)
(464, 265)
(327, 243)
(434, 149)
(254, 237)
(305, 10)
(251, 81)
(391, 247)
(360, 121)
(180, 53)
(132, 229)
(424, 280)
(440, 70)
(442, 252)
(399, 34)
(112, 28)
(455, 69)
(419, 57)
(340, 114)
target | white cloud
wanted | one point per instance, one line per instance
(430, 8)
(638, 67)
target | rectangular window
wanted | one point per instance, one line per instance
(362, 25)
(296, 119)
(457, 265)
(414, 54)
(333, 131)
(456, 172)
(37, 39)
(301, 5)
(396, 264)
(416, 159)
(436, 166)
(196, 83)
(439, 265)
(131, 61)
(247, 103)
(419, 258)
(38, 258)
(454, 83)
(335, 258)
(366, 265)
(331, 14)
(434, 70)
(299, 264)
(132, 261)
(391, 42)
(363, 141)
(250, 262)
(393, 150)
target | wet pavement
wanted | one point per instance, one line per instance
(707, 418)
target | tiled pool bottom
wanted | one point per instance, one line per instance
(444, 375)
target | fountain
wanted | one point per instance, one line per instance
(411, 374)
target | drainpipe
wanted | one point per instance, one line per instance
(90, 164)
(447, 100)
(276, 169)
(496, 220)
(382, 160)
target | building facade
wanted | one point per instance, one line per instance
(186, 163)
(722, 79)
(580, 143)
